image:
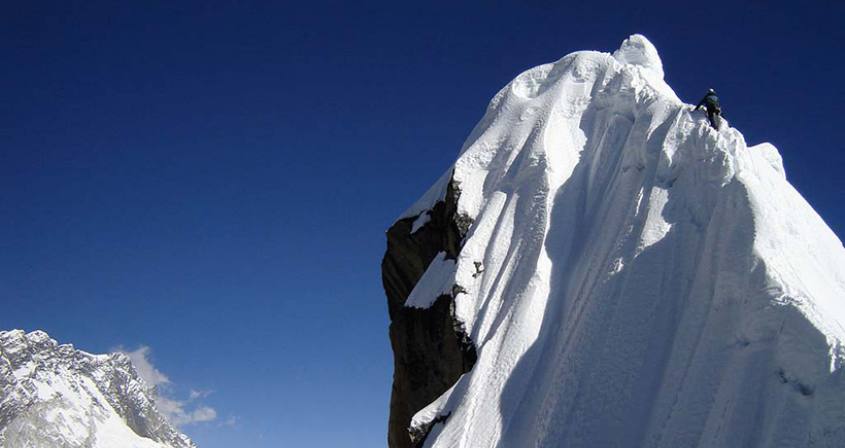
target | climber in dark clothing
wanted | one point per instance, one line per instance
(714, 111)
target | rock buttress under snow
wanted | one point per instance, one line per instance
(630, 277)
(431, 349)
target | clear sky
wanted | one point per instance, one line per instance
(208, 184)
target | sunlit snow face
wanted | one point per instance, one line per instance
(650, 265)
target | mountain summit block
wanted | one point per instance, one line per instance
(600, 268)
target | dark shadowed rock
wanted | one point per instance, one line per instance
(430, 348)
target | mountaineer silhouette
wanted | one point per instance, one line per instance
(714, 110)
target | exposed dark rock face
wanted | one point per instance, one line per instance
(430, 348)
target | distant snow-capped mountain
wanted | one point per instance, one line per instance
(53, 395)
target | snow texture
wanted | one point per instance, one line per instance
(647, 280)
(436, 281)
(56, 396)
(421, 220)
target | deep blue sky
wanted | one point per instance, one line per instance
(213, 179)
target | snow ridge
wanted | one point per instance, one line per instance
(53, 395)
(633, 277)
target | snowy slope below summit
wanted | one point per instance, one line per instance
(53, 395)
(633, 277)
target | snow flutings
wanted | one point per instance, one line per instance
(647, 280)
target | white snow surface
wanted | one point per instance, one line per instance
(647, 281)
(436, 281)
(55, 396)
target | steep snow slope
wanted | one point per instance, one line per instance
(630, 277)
(55, 396)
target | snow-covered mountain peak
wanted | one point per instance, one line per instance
(600, 267)
(54, 395)
(637, 50)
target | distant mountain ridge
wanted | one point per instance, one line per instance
(55, 396)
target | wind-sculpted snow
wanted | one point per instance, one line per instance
(633, 277)
(56, 396)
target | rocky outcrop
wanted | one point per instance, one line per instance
(430, 348)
